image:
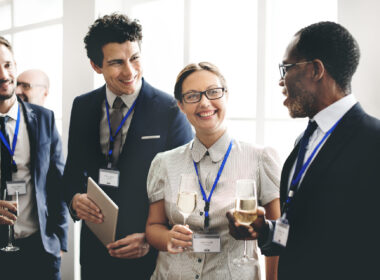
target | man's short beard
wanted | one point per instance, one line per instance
(6, 97)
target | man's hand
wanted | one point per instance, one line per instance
(86, 209)
(242, 232)
(179, 239)
(7, 210)
(130, 247)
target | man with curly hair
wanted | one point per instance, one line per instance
(115, 132)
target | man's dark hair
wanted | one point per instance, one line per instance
(6, 43)
(114, 28)
(334, 46)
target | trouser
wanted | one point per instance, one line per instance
(30, 262)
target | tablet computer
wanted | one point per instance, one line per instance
(105, 231)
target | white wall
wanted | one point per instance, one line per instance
(362, 19)
(77, 79)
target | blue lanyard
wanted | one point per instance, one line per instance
(208, 200)
(295, 182)
(5, 141)
(112, 137)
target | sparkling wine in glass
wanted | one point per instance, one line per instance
(10, 247)
(187, 197)
(245, 212)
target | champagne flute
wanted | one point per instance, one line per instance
(187, 197)
(245, 212)
(10, 247)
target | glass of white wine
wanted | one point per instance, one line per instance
(187, 196)
(245, 212)
(10, 247)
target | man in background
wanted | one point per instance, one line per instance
(31, 163)
(115, 132)
(33, 86)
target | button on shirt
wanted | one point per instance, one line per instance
(128, 100)
(244, 162)
(27, 221)
(325, 120)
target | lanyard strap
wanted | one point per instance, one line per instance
(208, 200)
(112, 137)
(5, 141)
(295, 182)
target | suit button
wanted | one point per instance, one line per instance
(199, 260)
(197, 276)
(201, 213)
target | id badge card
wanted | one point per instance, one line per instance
(109, 177)
(206, 242)
(16, 186)
(281, 232)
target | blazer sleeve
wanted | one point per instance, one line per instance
(54, 187)
(73, 178)
(180, 131)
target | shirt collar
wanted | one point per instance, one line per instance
(12, 113)
(331, 114)
(128, 99)
(216, 151)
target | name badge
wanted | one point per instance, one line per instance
(109, 177)
(206, 242)
(16, 186)
(281, 232)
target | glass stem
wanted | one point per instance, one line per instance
(245, 249)
(10, 236)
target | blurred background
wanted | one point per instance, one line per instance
(246, 39)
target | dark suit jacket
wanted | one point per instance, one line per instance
(156, 113)
(46, 168)
(331, 234)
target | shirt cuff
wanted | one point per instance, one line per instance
(73, 213)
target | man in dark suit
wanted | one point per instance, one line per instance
(31, 163)
(330, 183)
(99, 147)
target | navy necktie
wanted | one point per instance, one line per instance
(311, 127)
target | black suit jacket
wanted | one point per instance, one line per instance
(156, 113)
(46, 168)
(331, 233)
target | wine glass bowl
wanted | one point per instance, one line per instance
(245, 212)
(187, 196)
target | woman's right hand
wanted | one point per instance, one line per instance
(179, 239)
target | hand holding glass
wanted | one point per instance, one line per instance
(245, 212)
(10, 247)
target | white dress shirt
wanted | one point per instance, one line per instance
(27, 220)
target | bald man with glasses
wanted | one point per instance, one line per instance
(33, 86)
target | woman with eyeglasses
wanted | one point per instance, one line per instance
(211, 163)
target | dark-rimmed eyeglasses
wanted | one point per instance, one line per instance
(196, 96)
(27, 86)
(285, 67)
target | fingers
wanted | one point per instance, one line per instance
(237, 230)
(180, 237)
(6, 215)
(130, 247)
(86, 209)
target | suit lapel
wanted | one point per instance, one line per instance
(32, 128)
(333, 146)
(94, 112)
(138, 123)
(286, 172)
